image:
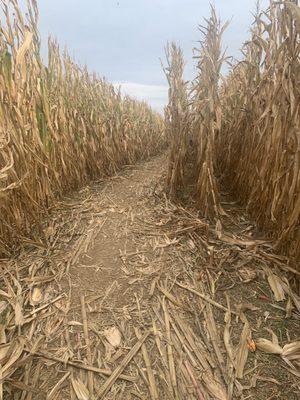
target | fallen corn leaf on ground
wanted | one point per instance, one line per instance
(135, 297)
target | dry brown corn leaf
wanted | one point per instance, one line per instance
(214, 387)
(3, 351)
(241, 242)
(36, 296)
(80, 389)
(289, 308)
(229, 349)
(290, 352)
(54, 391)
(21, 52)
(113, 336)
(286, 287)
(243, 350)
(75, 323)
(218, 229)
(13, 354)
(276, 285)
(291, 355)
(19, 317)
(267, 346)
(295, 11)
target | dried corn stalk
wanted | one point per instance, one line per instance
(259, 149)
(246, 130)
(60, 126)
(207, 115)
(176, 118)
(193, 121)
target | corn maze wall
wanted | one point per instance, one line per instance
(60, 126)
(245, 128)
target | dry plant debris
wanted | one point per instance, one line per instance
(241, 131)
(121, 293)
(174, 318)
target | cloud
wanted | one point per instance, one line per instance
(155, 95)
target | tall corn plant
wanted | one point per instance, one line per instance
(261, 137)
(207, 116)
(60, 126)
(176, 119)
(247, 129)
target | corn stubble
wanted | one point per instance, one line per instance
(244, 128)
(60, 125)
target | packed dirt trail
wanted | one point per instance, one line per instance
(132, 297)
(117, 231)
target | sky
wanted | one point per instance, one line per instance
(124, 40)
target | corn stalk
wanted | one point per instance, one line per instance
(176, 119)
(60, 127)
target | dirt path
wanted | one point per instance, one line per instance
(126, 298)
(107, 263)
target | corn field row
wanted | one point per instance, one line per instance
(60, 126)
(241, 132)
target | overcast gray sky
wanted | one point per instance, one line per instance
(124, 40)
